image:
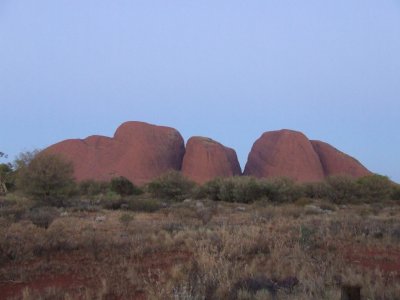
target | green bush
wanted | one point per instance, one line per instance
(111, 200)
(171, 186)
(227, 190)
(249, 189)
(316, 190)
(244, 189)
(395, 195)
(337, 189)
(7, 176)
(282, 190)
(14, 208)
(47, 178)
(307, 238)
(144, 205)
(342, 189)
(374, 188)
(233, 189)
(42, 216)
(210, 190)
(303, 201)
(24, 158)
(122, 186)
(93, 188)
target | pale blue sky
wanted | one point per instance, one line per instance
(229, 70)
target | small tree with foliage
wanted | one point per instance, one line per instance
(6, 179)
(92, 187)
(395, 195)
(46, 177)
(122, 186)
(342, 189)
(282, 190)
(234, 189)
(210, 190)
(171, 186)
(374, 188)
(24, 158)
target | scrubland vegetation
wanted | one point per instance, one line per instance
(232, 238)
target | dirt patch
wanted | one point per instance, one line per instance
(68, 282)
(85, 274)
(384, 260)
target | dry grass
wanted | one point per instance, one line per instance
(204, 251)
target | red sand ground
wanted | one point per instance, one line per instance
(75, 282)
(387, 261)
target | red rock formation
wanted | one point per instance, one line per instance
(335, 162)
(141, 152)
(206, 159)
(284, 153)
(138, 151)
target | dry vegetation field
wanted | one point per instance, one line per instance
(201, 249)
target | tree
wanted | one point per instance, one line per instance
(341, 189)
(5, 171)
(171, 186)
(6, 177)
(24, 158)
(124, 187)
(45, 177)
(375, 187)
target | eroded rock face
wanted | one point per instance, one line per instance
(138, 151)
(284, 153)
(206, 159)
(335, 162)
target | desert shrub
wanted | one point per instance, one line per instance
(122, 186)
(210, 190)
(233, 189)
(145, 205)
(93, 188)
(24, 158)
(21, 241)
(7, 176)
(341, 189)
(125, 219)
(111, 201)
(227, 190)
(374, 188)
(327, 206)
(171, 186)
(13, 213)
(173, 227)
(47, 178)
(42, 216)
(14, 208)
(248, 189)
(6, 202)
(316, 190)
(282, 190)
(303, 201)
(307, 237)
(395, 194)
